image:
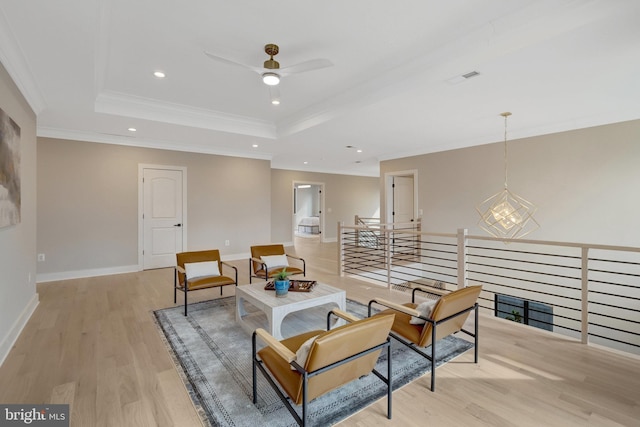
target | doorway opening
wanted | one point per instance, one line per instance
(308, 218)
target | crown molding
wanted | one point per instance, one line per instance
(131, 141)
(13, 60)
(149, 109)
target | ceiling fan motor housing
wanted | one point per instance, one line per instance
(271, 64)
(271, 50)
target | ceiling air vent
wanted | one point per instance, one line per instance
(461, 78)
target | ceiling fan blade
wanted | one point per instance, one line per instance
(313, 64)
(232, 62)
(274, 94)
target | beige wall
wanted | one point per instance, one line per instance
(18, 296)
(344, 195)
(584, 182)
(88, 204)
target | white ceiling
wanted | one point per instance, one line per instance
(86, 67)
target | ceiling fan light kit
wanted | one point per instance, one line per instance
(270, 79)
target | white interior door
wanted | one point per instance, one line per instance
(403, 209)
(163, 226)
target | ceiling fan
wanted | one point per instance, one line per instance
(271, 72)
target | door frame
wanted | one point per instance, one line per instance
(322, 204)
(388, 188)
(141, 168)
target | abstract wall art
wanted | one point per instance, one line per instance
(9, 171)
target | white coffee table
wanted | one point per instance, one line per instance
(277, 308)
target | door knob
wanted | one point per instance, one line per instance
(177, 225)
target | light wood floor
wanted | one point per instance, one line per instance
(93, 343)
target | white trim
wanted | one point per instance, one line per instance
(79, 274)
(122, 269)
(16, 329)
(13, 59)
(235, 257)
(134, 141)
(121, 104)
(141, 168)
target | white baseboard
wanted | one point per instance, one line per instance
(235, 257)
(78, 274)
(9, 340)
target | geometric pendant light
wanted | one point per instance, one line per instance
(505, 214)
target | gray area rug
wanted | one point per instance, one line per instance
(214, 354)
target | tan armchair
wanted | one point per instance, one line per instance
(447, 317)
(260, 269)
(335, 358)
(206, 274)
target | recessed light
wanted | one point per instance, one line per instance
(306, 163)
(275, 102)
(255, 145)
(132, 129)
(159, 74)
(358, 151)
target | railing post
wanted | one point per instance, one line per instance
(462, 258)
(585, 296)
(340, 249)
(388, 257)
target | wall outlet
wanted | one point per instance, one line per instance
(226, 243)
(40, 257)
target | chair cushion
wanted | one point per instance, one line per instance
(273, 261)
(274, 272)
(208, 282)
(425, 309)
(201, 269)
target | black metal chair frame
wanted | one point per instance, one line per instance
(184, 289)
(434, 324)
(302, 421)
(266, 269)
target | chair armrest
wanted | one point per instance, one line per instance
(234, 268)
(430, 290)
(229, 265)
(344, 315)
(259, 261)
(397, 307)
(276, 345)
(304, 264)
(181, 270)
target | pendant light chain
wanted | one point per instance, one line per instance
(505, 115)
